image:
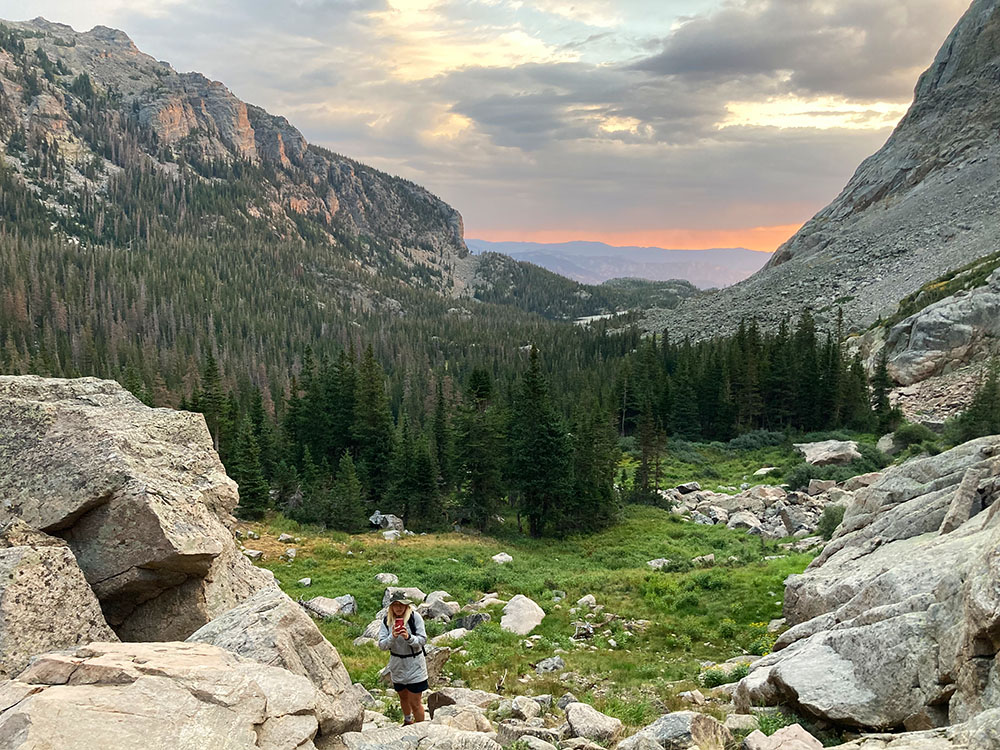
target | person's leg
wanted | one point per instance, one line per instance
(404, 702)
(417, 704)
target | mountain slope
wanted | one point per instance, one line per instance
(91, 126)
(924, 204)
(596, 262)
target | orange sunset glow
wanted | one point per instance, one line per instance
(763, 239)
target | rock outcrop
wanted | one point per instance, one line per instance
(139, 495)
(176, 696)
(271, 629)
(45, 602)
(897, 622)
(946, 335)
(923, 205)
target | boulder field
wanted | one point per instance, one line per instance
(896, 624)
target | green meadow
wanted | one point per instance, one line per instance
(695, 614)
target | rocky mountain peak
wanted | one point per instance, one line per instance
(924, 204)
(97, 113)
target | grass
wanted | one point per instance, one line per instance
(694, 614)
(725, 467)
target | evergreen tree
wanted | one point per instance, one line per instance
(594, 504)
(212, 398)
(444, 440)
(886, 417)
(478, 454)
(983, 415)
(426, 508)
(372, 430)
(311, 504)
(539, 453)
(247, 471)
(348, 510)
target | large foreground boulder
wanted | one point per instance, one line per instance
(587, 722)
(897, 621)
(159, 696)
(139, 494)
(45, 602)
(271, 629)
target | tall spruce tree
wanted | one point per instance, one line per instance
(347, 511)
(372, 430)
(249, 475)
(479, 450)
(885, 415)
(594, 503)
(539, 453)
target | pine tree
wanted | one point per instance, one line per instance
(594, 502)
(885, 415)
(212, 398)
(312, 503)
(426, 508)
(539, 453)
(478, 454)
(983, 415)
(444, 440)
(372, 430)
(348, 510)
(247, 471)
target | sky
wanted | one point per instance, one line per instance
(671, 123)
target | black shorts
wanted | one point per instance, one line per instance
(416, 687)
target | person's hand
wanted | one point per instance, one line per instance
(405, 633)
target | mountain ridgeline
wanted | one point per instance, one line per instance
(923, 205)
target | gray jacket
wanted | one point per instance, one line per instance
(403, 668)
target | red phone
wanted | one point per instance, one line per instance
(398, 626)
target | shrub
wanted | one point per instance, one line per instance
(756, 440)
(908, 434)
(771, 723)
(741, 671)
(714, 677)
(832, 517)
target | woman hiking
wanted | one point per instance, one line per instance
(403, 635)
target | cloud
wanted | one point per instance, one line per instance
(850, 48)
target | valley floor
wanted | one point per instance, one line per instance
(630, 668)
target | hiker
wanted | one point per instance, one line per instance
(403, 635)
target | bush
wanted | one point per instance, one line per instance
(714, 677)
(832, 517)
(771, 723)
(909, 434)
(756, 440)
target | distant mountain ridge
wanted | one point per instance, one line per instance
(597, 262)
